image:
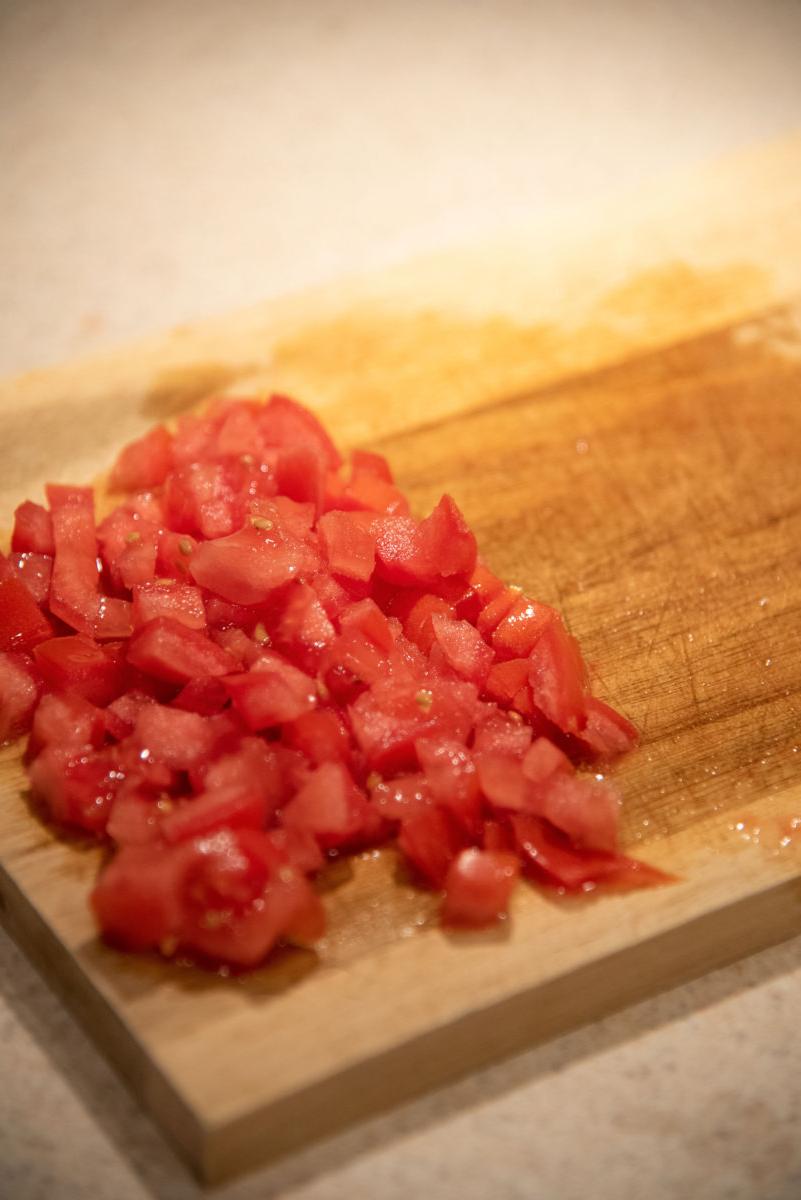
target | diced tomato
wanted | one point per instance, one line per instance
(128, 545)
(418, 615)
(586, 809)
(163, 598)
(22, 623)
(543, 760)
(321, 735)
(399, 798)
(415, 555)
(178, 739)
(498, 733)
(33, 530)
(272, 692)
(505, 679)
(78, 664)
(284, 422)
(497, 607)
(348, 540)
(451, 774)
(167, 649)
(35, 571)
(173, 554)
(113, 621)
(300, 475)
(503, 782)
(558, 678)
(387, 720)
(366, 618)
(246, 566)
(75, 581)
(478, 887)
(549, 855)
(19, 691)
(431, 841)
(367, 462)
(229, 808)
(464, 648)
(68, 720)
(76, 790)
(518, 631)
(329, 805)
(143, 463)
(304, 630)
(486, 585)
(607, 733)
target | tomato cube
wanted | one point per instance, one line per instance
(272, 692)
(78, 664)
(162, 598)
(478, 887)
(19, 691)
(143, 463)
(167, 649)
(33, 530)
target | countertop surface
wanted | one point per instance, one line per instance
(165, 161)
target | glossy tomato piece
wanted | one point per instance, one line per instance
(500, 733)
(417, 611)
(138, 898)
(22, 623)
(304, 629)
(226, 808)
(33, 530)
(272, 692)
(176, 738)
(143, 463)
(77, 789)
(517, 633)
(348, 540)
(505, 680)
(479, 886)
(75, 581)
(284, 422)
(391, 716)
(430, 840)
(586, 809)
(35, 571)
(165, 598)
(113, 621)
(503, 782)
(169, 650)
(68, 720)
(366, 618)
(300, 475)
(128, 547)
(321, 735)
(329, 805)
(463, 648)
(399, 798)
(79, 664)
(558, 678)
(367, 462)
(247, 566)
(19, 691)
(451, 773)
(607, 734)
(549, 856)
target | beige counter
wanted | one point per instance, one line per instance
(167, 160)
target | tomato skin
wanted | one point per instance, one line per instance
(478, 887)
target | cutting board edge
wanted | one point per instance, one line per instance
(447, 1053)
(662, 958)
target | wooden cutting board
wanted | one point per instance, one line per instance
(615, 402)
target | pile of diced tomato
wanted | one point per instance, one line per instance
(259, 659)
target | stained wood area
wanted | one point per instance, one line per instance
(639, 466)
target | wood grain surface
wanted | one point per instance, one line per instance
(630, 451)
